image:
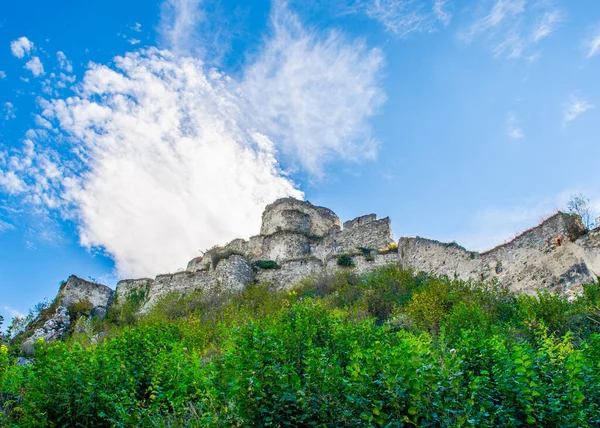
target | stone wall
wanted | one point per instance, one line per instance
(127, 286)
(76, 290)
(557, 255)
(365, 232)
(298, 216)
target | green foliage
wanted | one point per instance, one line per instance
(125, 311)
(345, 260)
(388, 348)
(81, 308)
(266, 264)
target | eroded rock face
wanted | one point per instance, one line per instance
(76, 290)
(54, 328)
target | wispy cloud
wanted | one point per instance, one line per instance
(402, 17)
(593, 45)
(63, 62)
(179, 25)
(35, 66)
(8, 111)
(547, 24)
(2, 74)
(158, 156)
(21, 47)
(574, 108)
(315, 93)
(513, 129)
(4, 226)
(507, 26)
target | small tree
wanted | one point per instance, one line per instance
(580, 205)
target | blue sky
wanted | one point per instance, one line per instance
(135, 134)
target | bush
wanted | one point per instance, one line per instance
(345, 260)
(81, 308)
(266, 264)
(388, 348)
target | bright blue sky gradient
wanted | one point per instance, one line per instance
(489, 122)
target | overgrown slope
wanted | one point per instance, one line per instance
(385, 349)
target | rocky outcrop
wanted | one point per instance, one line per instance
(298, 239)
(75, 297)
(53, 328)
(77, 290)
(558, 256)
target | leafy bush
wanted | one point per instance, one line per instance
(266, 264)
(345, 260)
(81, 308)
(388, 348)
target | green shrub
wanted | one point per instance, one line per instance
(81, 308)
(388, 348)
(266, 264)
(345, 260)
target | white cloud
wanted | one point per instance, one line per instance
(401, 17)
(179, 24)
(514, 130)
(547, 24)
(134, 41)
(513, 28)
(574, 108)
(314, 95)
(4, 226)
(21, 47)
(137, 27)
(35, 66)
(594, 45)
(2, 74)
(63, 62)
(8, 112)
(11, 183)
(158, 157)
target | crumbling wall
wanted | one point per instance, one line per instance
(293, 215)
(365, 232)
(290, 272)
(76, 290)
(127, 286)
(544, 257)
(283, 246)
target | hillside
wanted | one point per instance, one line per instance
(315, 324)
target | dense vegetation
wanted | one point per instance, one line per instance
(385, 349)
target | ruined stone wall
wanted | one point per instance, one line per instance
(127, 286)
(558, 255)
(76, 290)
(551, 256)
(290, 272)
(289, 214)
(365, 232)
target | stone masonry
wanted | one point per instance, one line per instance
(558, 255)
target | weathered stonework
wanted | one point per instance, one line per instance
(127, 286)
(559, 255)
(290, 272)
(365, 232)
(292, 215)
(76, 290)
